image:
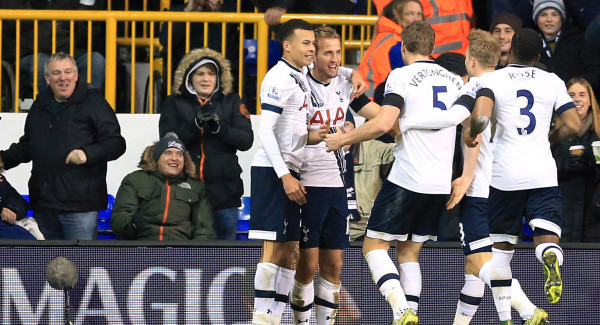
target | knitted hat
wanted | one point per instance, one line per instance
(170, 140)
(507, 18)
(453, 62)
(540, 5)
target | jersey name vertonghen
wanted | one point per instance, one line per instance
(328, 102)
(525, 99)
(423, 158)
(285, 91)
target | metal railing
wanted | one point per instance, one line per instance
(113, 18)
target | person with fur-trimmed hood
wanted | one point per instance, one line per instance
(164, 200)
(213, 123)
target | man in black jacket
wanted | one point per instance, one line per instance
(71, 132)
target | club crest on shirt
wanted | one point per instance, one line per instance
(339, 93)
(274, 93)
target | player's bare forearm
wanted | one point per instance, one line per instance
(571, 127)
(482, 112)
(369, 111)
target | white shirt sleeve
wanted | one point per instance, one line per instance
(437, 120)
(266, 135)
(345, 72)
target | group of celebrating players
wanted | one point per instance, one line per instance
(299, 197)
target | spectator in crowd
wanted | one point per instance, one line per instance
(577, 175)
(565, 51)
(384, 54)
(213, 123)
(164, 200)
(371, 162)
(494, 8)
(503, 28)
(63, 33)
(274, 9)
(196, 35)
(592, 33)
(71, 132)
(13, 207)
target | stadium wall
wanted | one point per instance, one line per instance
(212, 283)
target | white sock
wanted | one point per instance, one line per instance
(327, 297)
(501, 281)
(301, 301)
(264, 292)
(520, 302)
(484, 273)
(385, 275)
(285, 281)
(411, 282)
(541, 248)
(470, 298)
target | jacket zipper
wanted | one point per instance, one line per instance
(166, 210)
(201, 168)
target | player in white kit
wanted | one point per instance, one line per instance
(481, 57)
(324, 231)
(277, 192)
(524, 182)
(412, 199)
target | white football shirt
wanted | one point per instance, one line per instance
(423, 158)
(525, 99)
(329, 102)
(480, 186)
(284, 91)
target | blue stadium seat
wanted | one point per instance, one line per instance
(30, 212)
(527, 235)
(104, 231)
(243, 219)
(252, 46)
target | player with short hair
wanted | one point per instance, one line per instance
(277, 192)
(412, 199)
(325, 231)
(523, 182)
(481, 57)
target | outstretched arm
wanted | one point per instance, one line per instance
(383, 122)
(482, 112)
(571, 126)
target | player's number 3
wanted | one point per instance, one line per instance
(526, 111)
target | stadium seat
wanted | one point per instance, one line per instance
(104, 231)
(251, 45)
(30, 212)
(243, 219)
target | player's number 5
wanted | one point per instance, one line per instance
(526, 111)
(437, 103)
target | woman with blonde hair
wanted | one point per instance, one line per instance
(578, 178)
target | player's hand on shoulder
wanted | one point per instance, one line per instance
(294, 189)
(358, 83)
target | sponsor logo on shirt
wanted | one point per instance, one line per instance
(274, 93)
